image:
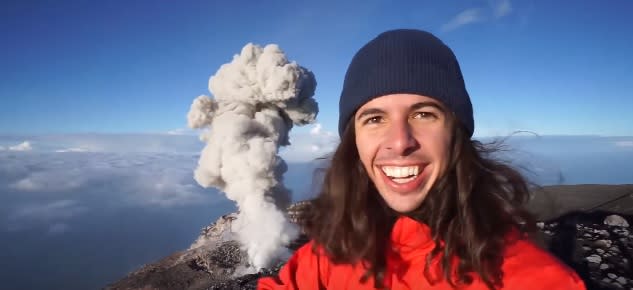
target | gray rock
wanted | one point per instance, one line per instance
(602, 243)
(595, 259)
(616, 220)
(621, 280)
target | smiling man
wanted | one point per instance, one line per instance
(409, 200)
(403, 142)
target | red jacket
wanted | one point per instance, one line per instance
(525, 267)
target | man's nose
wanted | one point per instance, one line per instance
(400, 138)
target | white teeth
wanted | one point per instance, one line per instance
(403, 180)
(401, 171)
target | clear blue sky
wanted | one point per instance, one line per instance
(553, 67)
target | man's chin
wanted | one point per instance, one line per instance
(403, 204)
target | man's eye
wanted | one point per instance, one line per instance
(373, 120)
(424, 115)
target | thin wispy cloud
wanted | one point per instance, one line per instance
(496, 9)
(501, 8)
(148, 143)
(24, 146)
(465, 17)
(183, 131)
(73, 150)
(58, 228)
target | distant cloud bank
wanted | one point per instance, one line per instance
(626, 143)
(24, 146)
(51, 183)
(306, 144)
(48, 184)
(49, 188)
(309, 146)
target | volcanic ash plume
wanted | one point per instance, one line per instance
(258, 97)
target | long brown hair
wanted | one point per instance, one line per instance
(470, 211)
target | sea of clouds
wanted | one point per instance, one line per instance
(80, 211)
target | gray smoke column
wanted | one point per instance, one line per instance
(258, 97)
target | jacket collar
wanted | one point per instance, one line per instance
(410, 238)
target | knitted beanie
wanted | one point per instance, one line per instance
(405, 61)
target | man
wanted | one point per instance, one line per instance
(409, 201)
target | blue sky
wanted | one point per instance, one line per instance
(552, 67)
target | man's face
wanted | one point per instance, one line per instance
(403, 142)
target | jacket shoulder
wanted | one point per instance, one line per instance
(527, 266)
(304, 270)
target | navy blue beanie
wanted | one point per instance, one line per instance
(405, 61)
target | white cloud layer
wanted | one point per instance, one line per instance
(183, 131)
(31, 183)
(145, 143)
(51, 181)
(133, 179)
(47, 187)
(60, 209)
(316, 129)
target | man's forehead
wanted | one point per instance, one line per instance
(400, 101)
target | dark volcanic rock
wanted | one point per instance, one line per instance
(226, 256)
(600, 253)
(247, 281)
(184, 270)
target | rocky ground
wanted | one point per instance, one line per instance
(598, 244)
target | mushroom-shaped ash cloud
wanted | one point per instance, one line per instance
(257, 98)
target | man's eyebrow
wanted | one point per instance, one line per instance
(416, 106)
(421, 105)
(369, 111)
